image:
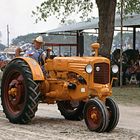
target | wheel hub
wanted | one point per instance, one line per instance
(12, 92)
(94, 116)
(15, 92)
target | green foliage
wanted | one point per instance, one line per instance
(63, 8)
(82, 8)
(130, 6)
(25, 39)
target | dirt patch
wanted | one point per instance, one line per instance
(50, 125)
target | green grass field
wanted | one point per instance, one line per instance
(127, 95)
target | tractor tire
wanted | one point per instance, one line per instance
(71, 110)
(20, 106)
(96, 115)
(113, 110)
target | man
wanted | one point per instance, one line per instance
(34, 51)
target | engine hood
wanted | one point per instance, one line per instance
(69, 63)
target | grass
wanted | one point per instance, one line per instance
(127, 95)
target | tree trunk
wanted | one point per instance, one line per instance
(106, 25)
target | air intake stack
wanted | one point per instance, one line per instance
(95, 47)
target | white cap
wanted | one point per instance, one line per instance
(39, 39)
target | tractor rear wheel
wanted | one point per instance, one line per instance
(19, 94)
(96, 115)
(71, 110)
(113, 110)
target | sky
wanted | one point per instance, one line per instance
(17, 15)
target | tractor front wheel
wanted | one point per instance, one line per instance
(96, 115)
(113, 110)
(19, 93)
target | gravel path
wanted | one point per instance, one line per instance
(50, 125)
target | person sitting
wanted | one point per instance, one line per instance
(134, 70)
(34, 51)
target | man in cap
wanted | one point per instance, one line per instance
(34, 51)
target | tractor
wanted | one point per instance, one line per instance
(80, 86)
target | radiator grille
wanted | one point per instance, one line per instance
(101, 73)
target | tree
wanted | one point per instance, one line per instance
(106, 10)
(63, 8)
(20, 40)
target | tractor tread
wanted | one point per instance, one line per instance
(32, 94)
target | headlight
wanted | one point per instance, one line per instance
(97, 69)
(88, 69)
(115, 68)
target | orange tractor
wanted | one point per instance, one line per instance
(80, 87)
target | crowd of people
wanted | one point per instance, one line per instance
(130, 65)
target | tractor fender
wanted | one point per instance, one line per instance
(35, 68)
